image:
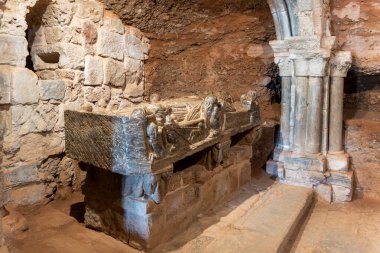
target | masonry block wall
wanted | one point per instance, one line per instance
(58, 55)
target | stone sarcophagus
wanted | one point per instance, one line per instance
(153, 167)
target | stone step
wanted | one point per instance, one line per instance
(264, 223)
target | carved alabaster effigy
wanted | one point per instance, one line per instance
(155, 166)
(151, 136)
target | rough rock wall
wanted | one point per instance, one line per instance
(80, 56)
(356, 25)
(200, 46)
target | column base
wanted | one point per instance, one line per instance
(338, 161)
(328, 175)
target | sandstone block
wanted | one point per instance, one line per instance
(113, 23)
(341, 178)
(72, 56)
(20, 175)
(36, 147)
(341, 193)
(58, 14)
(304, 177)
(133, 47)
(52, 89)
(93, 71)
(20, 115)
(325, 192)
(272, 167)
(89, 32)
(28, 119)
(233, 174)
(222, 186)
(28, 195)
(13, 23)
(46, 57)
(24, 86)
(13, 50)
(5, 85)
(94, 94)
(338, 162)
(134, 92)
(110, 44)
(304, 162)
(53, 34)
(114, 73)
(36, 36)
(132, 65)
(245, 172)
(90, 9)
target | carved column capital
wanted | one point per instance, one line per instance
(310, 63)
(281, 56)
(340, 64)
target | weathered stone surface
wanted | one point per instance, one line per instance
(341, 178)
(24, 86)
(20, 175)
(304, 177)
(114, 73)
(113, 23)
(305, 162)
(341, 193)
(89, 32)
(52, 89)
(324, 191)
(46, 57)
(52, 35)
(36, 147)
(13, 50)
(90, 9)
(95, 94)
(93, 71)
(28, 195)
(132, 66)
(110, 44)
(134, 92)
(338, 162)
(272, 167)
(36, 36)
(133, 47)
(5, 85)
(13, 23)
(41, 118)
(72, 56)
(58, 14)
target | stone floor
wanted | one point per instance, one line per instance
(341, 228)
(257, 219)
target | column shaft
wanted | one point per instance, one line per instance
(285, 111)
(336, 114)
(300, 118)
(325, 115)
(314, 115)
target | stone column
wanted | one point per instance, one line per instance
(284, 65)
(300, 65)
(317, 70)
(340, 65)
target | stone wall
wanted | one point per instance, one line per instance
(355, 23)
(81, 56)
(208, 45)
